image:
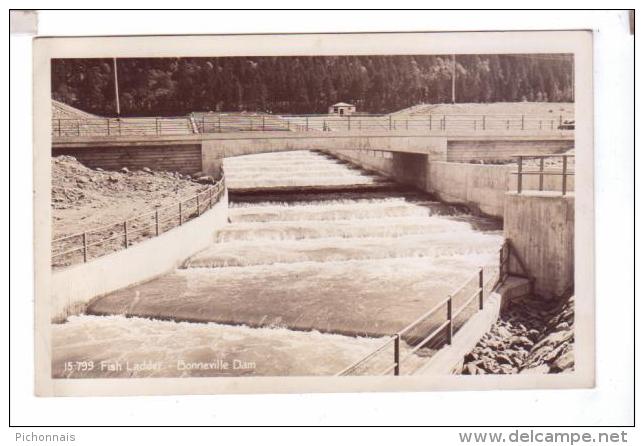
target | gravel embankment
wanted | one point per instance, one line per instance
(531, 336)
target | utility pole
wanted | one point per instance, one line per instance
(572, 79)
(116, 89)
(453, 78)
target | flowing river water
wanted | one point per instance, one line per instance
(318, 263)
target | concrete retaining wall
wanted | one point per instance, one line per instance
(540, 226)
(72, 288)
(406, 168)
(184, 158)
(481, 187)
(466, 150)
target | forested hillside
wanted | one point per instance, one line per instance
(376, 84)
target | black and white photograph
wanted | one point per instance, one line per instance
(404, 214)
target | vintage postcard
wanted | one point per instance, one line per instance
(313, 213)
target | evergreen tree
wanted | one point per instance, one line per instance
(300, 84)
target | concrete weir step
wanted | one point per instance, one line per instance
(286, 191)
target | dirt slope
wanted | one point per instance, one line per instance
(84, 198)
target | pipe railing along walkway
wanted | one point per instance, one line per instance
(87, 245)
(447, 324)
(205, 123)
(563, 172)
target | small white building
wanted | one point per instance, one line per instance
(342, 109)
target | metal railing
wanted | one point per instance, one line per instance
(84, 246)
(564, 171)
(447, 325)
(69, 127)
(242, 122)
(219, 123)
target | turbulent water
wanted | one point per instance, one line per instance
(297, 283)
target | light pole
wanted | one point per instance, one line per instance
(116, 89)
(453, 78)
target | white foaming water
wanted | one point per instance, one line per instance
(335, 211)
(298, 168)
(345, 264)
(350, 228)
(175, 348)
(261, 251)
(301, 181)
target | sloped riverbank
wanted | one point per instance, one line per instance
(531, 336)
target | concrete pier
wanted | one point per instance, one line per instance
(541, 227)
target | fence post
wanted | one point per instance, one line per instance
(501, 262)
(520, 175)
(450, 325)
(78, 125)
(84, 246)
(522, 122)
(349, 122)
(430, 122)
(507, 124)
(552, 124)
(251, 124)
(444, 123)
(389, 121)
(108, 126)
(406, 124)
(156, 220)
(484, 126)
(156, 124)
(180, 215)
(541, 173)
(307, 123)
(474, 124)
(263, 123)
(125, 234)
(219, 122)
(397, 354)
(564, 176)
(480, 288)
(59, 132)
(119, 121)
(560, 120)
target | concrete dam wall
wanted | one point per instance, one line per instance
(495, 150)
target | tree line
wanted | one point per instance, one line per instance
(301, 84)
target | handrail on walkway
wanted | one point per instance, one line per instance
(127, 230)
(448, 325)
(244, 122)
(564, 172)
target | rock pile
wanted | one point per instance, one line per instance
(73, 183)
(531, 336)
